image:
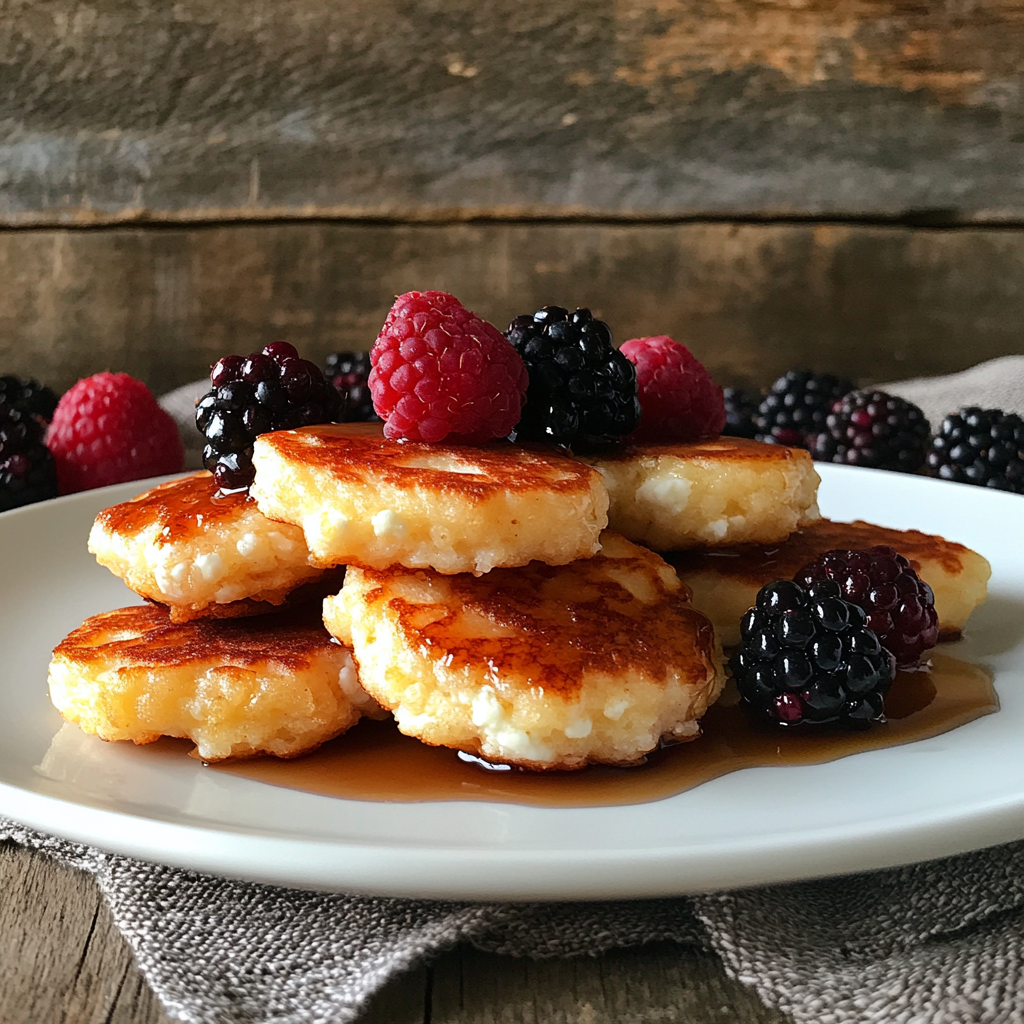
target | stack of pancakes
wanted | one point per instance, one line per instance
(503, 600)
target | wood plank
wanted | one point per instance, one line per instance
(636, 108)
(62, 958)
(657, 984)
(752, 300)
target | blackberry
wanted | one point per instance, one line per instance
(269, 390)
(582, 391)
(876, 430)
(740, 409)
(796, 406)
(28, 472)
(980, 446)
(899, 605)
(807, 657)
(29, 396)
(348, 372)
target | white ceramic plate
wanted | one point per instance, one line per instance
(956, 792)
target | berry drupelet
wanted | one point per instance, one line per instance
(28, 472)
(796, 406)
(807, 657)
(899, 605)
(349, 373)
(268, 390)
(582, 391)
(980, 446)
(875, 430)
(29, 396)
(740, 410)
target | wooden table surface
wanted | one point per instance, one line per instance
(62, 959)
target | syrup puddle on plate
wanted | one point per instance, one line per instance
(374, 761)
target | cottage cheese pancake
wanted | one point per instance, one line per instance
(361, 499)
(723, 491)
(202, 554)
(540, 666)
(235, 687)
(725, 581)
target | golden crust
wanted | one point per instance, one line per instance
(236, 687)
(539, 666)
(200, 553)
(725, 581)
(722, 491)
(364, 500)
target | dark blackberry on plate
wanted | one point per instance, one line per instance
(28, 395)
(899, 605)
(980, 446)
(28, 472)
(582, 390)
(806, 657)
(268, 390)
(349, 372)
(796, 406)
(740, 410)
(875, 430)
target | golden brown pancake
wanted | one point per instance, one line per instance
(725, 581)
(539, 666)
(363, 500)
(719, 492)
(274, 685)
(204, 554)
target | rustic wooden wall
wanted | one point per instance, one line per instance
(422, 108)
(834, 183)
(752, 300)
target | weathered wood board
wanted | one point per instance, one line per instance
(752, 300)
(118, 109)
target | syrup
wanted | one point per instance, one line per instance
(376, 762)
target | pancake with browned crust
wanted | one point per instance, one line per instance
(206, 555)
(275, 685)
(725, 581)
(723, 491)
(540, 666)
(364, 500)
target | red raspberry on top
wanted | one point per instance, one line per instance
(109, 429)
(680, 401)
(440, 372)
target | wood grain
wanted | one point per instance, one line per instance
(751, 300)
(550, 108)
(63, 960)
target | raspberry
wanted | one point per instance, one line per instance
(678, 398)
(109, 429)
(875, 430)
(27, 470)
(807, 657)
(268, 390)
(740, 409)
(980, 446)
(349, 372)
(582, 391)
(899, 605)
(796, 406)
(440, 372)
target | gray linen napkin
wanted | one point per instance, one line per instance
(934, 943)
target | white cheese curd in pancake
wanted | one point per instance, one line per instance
(363, 500)
(200, 553)
(277, 684)
(724, 491)
(539, 666)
